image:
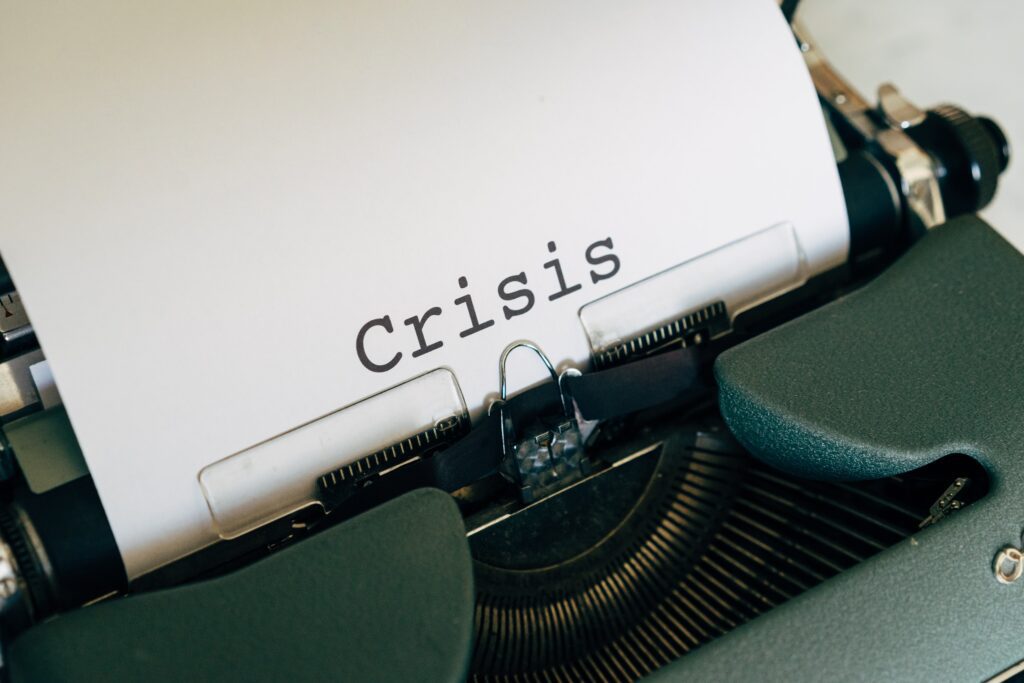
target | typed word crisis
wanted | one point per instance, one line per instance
(516, 292)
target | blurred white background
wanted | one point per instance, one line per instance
(965, 52)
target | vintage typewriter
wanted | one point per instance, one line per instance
(826, 485)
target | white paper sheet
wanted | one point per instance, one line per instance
(205, 201)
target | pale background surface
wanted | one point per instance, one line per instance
(968, 53)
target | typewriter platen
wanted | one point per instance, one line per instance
(779, 493)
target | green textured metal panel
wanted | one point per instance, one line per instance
(387, 596)
(924, 361)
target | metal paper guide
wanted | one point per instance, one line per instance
(233, 224)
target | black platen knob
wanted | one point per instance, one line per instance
(1000, 139)
(980, 149)
(970, 152)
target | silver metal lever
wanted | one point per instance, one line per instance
(551, 458)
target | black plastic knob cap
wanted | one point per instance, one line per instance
(985, 156)
(1002, 144)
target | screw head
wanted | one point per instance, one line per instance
(1008, 565)
(8, 587)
